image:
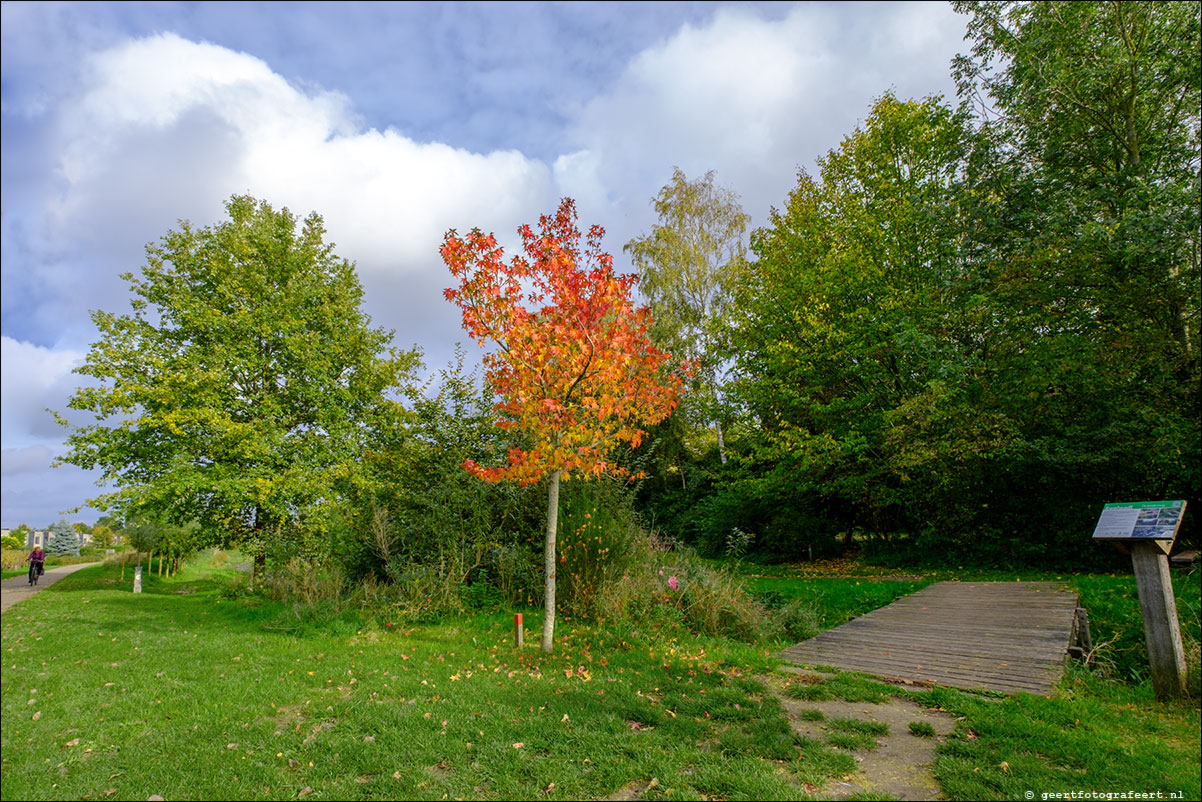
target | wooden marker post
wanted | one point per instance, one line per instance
(1147, 529)
(518, 635)
(1159, 610)
(138, 579)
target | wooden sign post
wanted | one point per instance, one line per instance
(1148, 529)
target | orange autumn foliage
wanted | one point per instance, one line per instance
(574, 367)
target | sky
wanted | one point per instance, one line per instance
(395, 122)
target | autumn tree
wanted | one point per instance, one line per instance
(574, 368)
(245, 385)
(689, 265)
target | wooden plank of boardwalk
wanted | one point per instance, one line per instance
(997, 636)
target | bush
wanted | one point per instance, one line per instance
(798, 620)
(675, 586)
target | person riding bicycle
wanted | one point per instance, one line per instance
(37, 562)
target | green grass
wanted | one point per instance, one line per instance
(833, 600)
(1094, 734)
(922, 729)
(858, 725)
(189, 691)
(9, 573)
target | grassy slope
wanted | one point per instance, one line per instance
(180, 693)
(184, 693)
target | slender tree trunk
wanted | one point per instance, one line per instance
(721, 442)
(150, 563)
(550, 562)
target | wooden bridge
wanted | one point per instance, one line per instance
(998, 636)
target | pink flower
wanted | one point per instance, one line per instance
(672, 583)
(661, 572)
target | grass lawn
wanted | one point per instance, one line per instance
(185, 693)
(192, 691)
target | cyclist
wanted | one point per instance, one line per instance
(36, 560)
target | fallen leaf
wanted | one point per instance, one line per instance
(37, 715)
(518, 745)
(1004, 766)
(72, 742)
(308, 789)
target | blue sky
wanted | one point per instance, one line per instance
(395, 122)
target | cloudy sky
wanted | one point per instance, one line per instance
(395, 122)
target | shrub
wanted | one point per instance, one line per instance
(798, 620)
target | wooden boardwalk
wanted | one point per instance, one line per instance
(998, 636)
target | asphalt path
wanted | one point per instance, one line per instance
(18, 589)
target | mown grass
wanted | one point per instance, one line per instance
(190, 691)
(194, 690)
(1094, 735)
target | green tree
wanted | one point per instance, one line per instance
(22, 534)
(102, 536)
(689, 265)
(1085, 225)
(244, 387)
(63, 539)
(848, 315)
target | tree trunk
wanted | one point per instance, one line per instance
(721, 442)
(550, 561)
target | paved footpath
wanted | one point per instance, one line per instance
(18, 588)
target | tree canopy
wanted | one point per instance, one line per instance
(244, 386)
(574, 369)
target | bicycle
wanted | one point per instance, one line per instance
(35, 571)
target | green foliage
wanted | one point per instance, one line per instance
(63, 540)
(972, 330)
(421, 518)
(102, 536)
(689, 266)
(246, 385)
(10, 542)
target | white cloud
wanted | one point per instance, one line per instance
(163, 128)
(754, 99)
(175, 127)
(32, 379)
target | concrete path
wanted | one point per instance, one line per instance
(18, 588)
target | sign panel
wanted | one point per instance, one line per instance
(1140, 520)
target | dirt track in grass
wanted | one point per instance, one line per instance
(901, 764)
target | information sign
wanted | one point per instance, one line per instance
(1140, 520)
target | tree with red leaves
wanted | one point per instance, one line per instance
(573, 365)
